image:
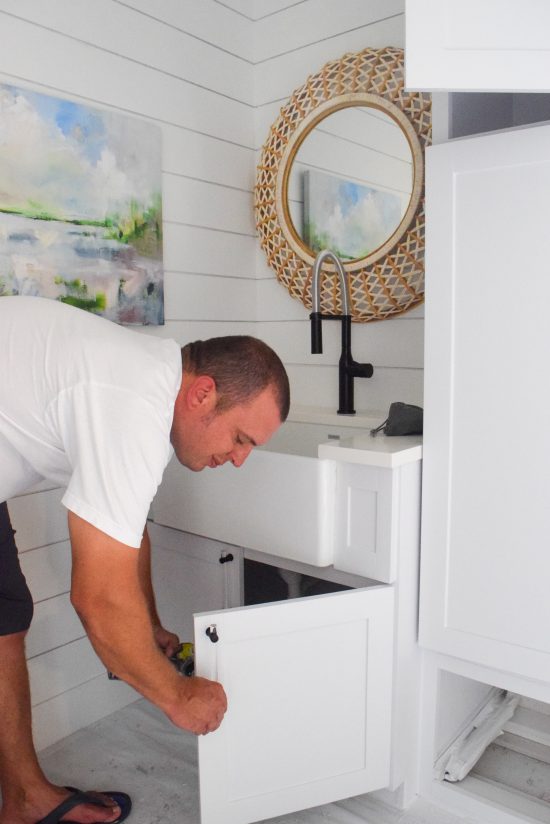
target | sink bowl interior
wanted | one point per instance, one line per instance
(296, 438)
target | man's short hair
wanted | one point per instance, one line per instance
(241, 367)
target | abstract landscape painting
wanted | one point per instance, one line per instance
(350, 219)
(80, 206)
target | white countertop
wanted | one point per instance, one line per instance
(361, 447)
(380, 450)
(325, 415)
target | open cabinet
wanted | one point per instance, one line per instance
(309, 678)
(323, 678)
(486, 749)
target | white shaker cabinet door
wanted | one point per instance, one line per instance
(309, 686)
(470, 45)
(485, 567)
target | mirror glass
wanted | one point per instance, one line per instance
(351, 182)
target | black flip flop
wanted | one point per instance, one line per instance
(78, 797)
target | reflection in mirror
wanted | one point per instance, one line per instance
(351, 182)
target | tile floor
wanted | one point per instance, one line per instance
(137, 750)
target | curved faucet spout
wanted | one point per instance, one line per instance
(324, 255)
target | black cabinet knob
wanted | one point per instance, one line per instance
(213, 634)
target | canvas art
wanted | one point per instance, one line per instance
(80, 206)
(350, 219)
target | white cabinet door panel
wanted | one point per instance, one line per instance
(367, 521)
(486, 473)
(309, 685)
(471, 46)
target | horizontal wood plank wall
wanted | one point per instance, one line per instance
(187, 67)
(289, 46)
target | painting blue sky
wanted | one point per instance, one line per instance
(351, 219)
(80, 206)
(82, 161)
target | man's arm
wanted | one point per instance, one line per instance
(107, 593)
(167, 641)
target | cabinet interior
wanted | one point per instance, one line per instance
(264, 583)
(515, 765)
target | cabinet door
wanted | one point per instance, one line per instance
(309, 686)
(471, 46)
(486, 475)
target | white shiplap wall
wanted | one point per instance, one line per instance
(212, 74)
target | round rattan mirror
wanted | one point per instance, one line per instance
(343, 168)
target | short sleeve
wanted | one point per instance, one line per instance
(118, 445)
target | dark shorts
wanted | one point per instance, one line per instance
(16, 606)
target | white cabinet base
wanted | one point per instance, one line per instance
(323, 690)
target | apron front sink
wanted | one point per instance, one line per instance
(281, 501)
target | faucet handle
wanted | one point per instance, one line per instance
(362, 370)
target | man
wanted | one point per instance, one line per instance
(95, 407)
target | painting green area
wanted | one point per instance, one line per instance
(318, 240)
(77, 295)
(140, 228)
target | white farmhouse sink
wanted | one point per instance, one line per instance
(281, 501)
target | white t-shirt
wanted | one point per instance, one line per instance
(87, 404)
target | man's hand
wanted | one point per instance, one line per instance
(202, 707)
(167, 641)
(204, 704)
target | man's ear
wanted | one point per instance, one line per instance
(202, 393)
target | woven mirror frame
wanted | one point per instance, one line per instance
(391, 279)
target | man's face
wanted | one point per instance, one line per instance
(202, 437)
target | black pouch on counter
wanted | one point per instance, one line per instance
(403, 419)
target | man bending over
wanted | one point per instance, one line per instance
(99, 409)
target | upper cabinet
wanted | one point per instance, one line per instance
(473, 46)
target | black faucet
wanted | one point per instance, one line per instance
(348, 369)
